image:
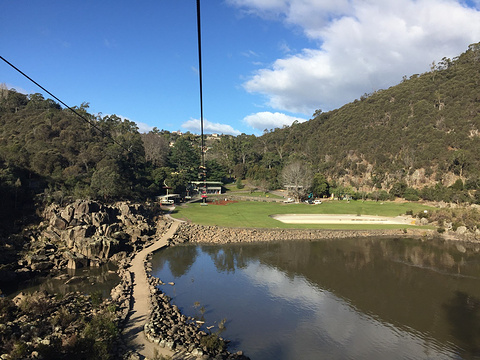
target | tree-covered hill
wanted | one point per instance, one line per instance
(53, 153)
(420, 137)
(422, 132)
(48, 153)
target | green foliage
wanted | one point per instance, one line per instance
(215, 171)
(398, 189)
(411, 194)
(389, 134)
(100, 332)
(320, 186)
(50, 150)
(185, 158)
(213, 343)
(97, 298)
(238, 184)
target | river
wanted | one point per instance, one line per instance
(366, 298)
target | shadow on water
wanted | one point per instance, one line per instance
(463, 315)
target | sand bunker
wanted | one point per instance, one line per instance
(342, 219)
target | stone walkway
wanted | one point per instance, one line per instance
(140, 311)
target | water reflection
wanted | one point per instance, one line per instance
(356, 298)
(86, 280)
(463, 313)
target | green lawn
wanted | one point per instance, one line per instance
(257, 214)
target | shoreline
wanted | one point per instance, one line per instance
(162, 316)
(221, 235)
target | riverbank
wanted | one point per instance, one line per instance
(154, 327)
(86, 234)
(220, 235)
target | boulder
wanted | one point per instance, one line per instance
(461, 230)
(77, 263)
(41, 266)
(100, 218)
(67, 213)
(58, 222)
(86, 207)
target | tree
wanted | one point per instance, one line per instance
(215, 172)
(184, 158)
(320, 186)
(297, 178)
(106, 181)
(398, 189)
(156, 148)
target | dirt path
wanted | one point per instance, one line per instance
(140, 311)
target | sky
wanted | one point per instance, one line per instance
(265, 63)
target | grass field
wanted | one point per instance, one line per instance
(257, 214)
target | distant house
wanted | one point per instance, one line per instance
(213, 187)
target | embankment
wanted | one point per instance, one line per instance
(214, 234)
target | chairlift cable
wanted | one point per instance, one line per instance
(199, 35)
(66, 106)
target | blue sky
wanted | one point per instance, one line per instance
(266, 63)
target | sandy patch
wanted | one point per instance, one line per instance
(342, 219)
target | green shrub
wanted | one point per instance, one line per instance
(213, 343)
(411, 194)
(20, 351)
(239, 184)
(97, 298)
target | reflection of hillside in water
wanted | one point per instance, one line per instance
(409, 283)
(84, 280)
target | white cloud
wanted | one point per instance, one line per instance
(268, 120)
(18, 89)
(193, 125)
(143, 128)
(363, 46)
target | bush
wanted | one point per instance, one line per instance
(239, 184)
(213, 343)
(411, 194)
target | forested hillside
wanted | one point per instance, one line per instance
(421, 133)
(418, 139)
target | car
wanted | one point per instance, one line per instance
(289, 200)
(317, 202)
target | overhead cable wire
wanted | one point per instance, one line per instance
(199, 34)
(66, 106)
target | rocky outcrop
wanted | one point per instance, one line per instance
(84, 233)
(91, 232)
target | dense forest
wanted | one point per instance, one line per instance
(418, 139)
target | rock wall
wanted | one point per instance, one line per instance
(214, 234)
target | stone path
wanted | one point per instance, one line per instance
(138, 315)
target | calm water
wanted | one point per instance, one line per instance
(86, 280)
(343, 299)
